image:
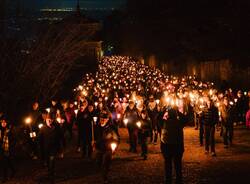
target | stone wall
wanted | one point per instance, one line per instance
(217, 71)
(225, 70)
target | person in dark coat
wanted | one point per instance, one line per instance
(70, 117)
(241, 107)
(35, 115)
(172, 143)
(53, 109)
(106, 142)
(86, 126)
(227, 121)
(144, 125)
(80, 123)
(153, 115)
(41, 124)
(50, 136)
(6, 149)
(210, 117)
(132, 116)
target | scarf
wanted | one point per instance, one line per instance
(5, 140)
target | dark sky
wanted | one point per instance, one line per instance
(72, 3)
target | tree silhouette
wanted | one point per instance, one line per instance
(40, 72)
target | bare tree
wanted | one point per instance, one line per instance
(41, 73)
(56, 54)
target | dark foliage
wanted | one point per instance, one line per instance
(39, 72)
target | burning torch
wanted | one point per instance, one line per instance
(125, 121)
(96, 104)
(28, 122)
(48, 110)
(76, 111)
(138, 124)
(40, 126)
(92, 128)
(113, 146)
(118, 116)
(157, 101)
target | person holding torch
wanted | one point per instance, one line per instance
(172, 143)
(210, 117)
(153, 115)
(42, 124)
(144, 125)
(80, 123)
(70, 116)
(227, 120)
(131, 116)
(106, 143)
(87, 132)
(6, 149)
(32, 131)
(50, 136)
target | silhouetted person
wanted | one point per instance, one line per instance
(6, 149)
(210, 118)
(50, 135)
(172, 144)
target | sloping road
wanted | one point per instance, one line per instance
(231, 165)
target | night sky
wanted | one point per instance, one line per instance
(71, 3)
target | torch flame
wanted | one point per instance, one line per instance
(113, 146)
(95, 119)
(80, 87)
(76, 111)
(40, 126)
(125, 121)
(138, 124)
(28, 120)
(59, 120)
(48, 110)
(118, 116)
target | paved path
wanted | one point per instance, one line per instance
(230, 166)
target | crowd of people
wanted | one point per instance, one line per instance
(125, 93)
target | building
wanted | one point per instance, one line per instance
(83, 28)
